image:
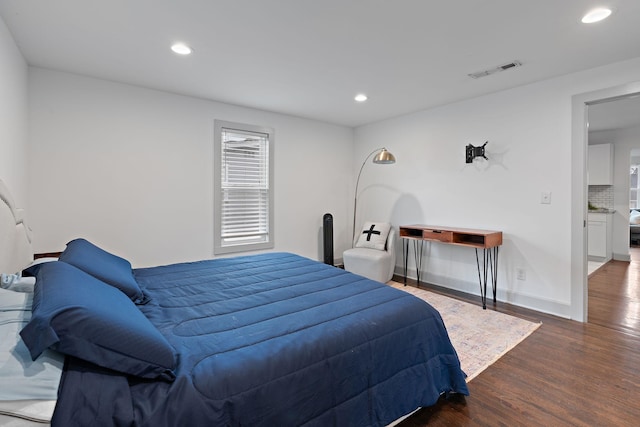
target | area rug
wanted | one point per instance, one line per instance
(479, 336)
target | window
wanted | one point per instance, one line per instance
(243, 187)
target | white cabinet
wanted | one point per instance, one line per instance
(601, 164)
(599, 238)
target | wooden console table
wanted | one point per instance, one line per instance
(487, 240)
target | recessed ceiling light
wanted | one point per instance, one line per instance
(361, 97)
(596, 15)
(181, 49)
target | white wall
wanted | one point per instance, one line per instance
(623, 140)
(530, 152)
(131, 169)
(13, 117)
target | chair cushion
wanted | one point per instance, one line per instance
(370, 263)
(367, 254)
(374, 235)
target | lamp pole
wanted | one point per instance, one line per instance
(383, 157)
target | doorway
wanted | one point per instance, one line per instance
(582, 121)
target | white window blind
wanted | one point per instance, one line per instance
(244, 190)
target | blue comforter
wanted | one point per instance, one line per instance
(273, 340)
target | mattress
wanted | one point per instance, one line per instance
(26, 412)
(28, 388)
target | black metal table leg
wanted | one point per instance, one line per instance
(417, 253)
(418, 247)
(494, 272)
(489, 263)
(405, 257)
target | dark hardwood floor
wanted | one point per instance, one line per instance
(614, 295)
(566, 373)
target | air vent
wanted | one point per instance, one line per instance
(499, 68)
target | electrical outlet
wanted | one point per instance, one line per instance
(545, 198)
(521, 274)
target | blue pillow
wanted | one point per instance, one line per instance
(76, 314)
(103, 265)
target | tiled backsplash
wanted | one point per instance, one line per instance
(601, 196)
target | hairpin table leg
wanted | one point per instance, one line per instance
(489, 263)
(418, 248)
(405, 257)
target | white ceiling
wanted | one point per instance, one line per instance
(310, 57)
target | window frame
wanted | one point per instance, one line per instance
(220, 248)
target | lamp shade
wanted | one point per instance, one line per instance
(384, 157)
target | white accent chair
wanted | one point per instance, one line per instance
(372, 263)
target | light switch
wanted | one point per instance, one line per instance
(545, 198)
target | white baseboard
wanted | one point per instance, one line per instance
(622, 257)
(543, 305)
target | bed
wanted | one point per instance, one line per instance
(269, 339)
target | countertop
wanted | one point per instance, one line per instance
(602, 210)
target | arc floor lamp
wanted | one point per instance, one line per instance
(383, 157)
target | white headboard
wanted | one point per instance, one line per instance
(15, 236)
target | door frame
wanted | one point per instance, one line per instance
(579, 190)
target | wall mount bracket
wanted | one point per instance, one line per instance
(473, 152)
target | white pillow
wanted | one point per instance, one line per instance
(15, 301)
(42, 260)
(14, 282)
(374, 235)
(634, 217)
(29, 379)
